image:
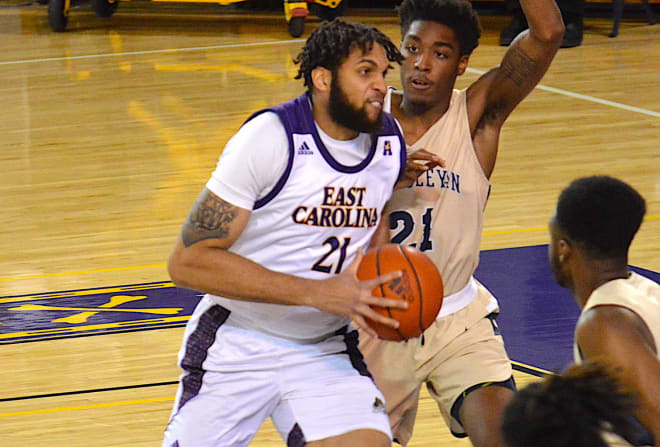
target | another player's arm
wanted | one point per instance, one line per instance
(201, 261)
(617, 337)
(417, 163)
(492, 98)
(382, 234)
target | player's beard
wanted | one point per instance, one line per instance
(345, 114)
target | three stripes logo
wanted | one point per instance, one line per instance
(304, 149)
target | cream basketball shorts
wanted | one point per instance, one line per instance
(457, 354)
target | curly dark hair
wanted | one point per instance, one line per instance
(602, 213)
(570, 410)
(456, 14)
(330, 44)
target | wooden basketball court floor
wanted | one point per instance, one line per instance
(109, 131)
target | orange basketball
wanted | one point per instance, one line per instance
(420, 285)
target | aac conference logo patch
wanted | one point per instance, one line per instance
(77, 313)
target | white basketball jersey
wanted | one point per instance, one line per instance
(314, 221)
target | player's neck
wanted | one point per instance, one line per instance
(421, 116)
(595, 273)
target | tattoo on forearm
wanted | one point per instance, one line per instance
(518, 66)
(210, 218)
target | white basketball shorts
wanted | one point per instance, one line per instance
(311, 391)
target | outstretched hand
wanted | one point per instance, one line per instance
(347, 296)
(415, 167)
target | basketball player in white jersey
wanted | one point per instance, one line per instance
(594, 223)
(461, 357)
(274, 241)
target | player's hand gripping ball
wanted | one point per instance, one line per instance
(420, 285)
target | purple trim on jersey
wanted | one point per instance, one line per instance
(289, 165)
(297, 118)
(197, 347)
(389, 129)
(403, 155)
(355, 356)
(338, 166)
(296, 438)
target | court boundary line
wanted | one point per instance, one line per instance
(141, 286)
(530, 369)
(284, 42)
(86, 407)
(583, 97)
(94, 390)
(94, 334)
(521, 367)
(143, 52)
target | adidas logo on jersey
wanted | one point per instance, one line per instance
(379, 406)
(304, 149)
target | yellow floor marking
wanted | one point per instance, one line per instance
(137, 267)
(87, 407)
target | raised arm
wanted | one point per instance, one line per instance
(492, 98)
(617, 337)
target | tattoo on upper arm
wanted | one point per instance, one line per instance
(210, 218)
(518, 66)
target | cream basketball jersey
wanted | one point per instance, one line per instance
(642, 296)
(312, 223)
(442, 213)
(637, 293)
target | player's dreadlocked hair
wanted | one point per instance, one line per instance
(330, 44)
(456, 14)
(572, 410)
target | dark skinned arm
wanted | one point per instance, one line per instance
(617, 337)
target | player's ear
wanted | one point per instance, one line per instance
(462, 64)
(322, 79)
(563, 250)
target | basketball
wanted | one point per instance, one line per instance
(420, 285)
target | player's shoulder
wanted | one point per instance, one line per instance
(480, 87)
(609, 321)
(266, 119)
(264, 129)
